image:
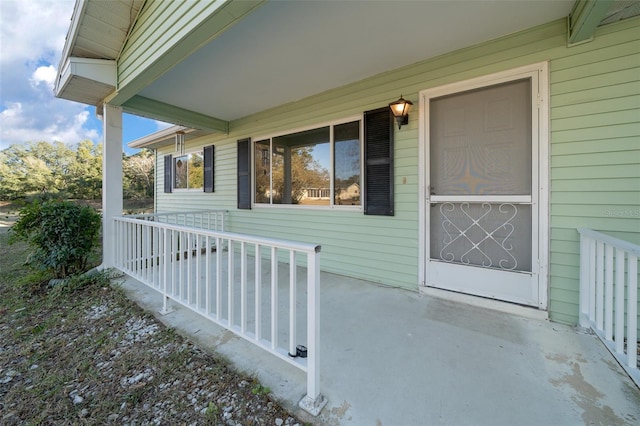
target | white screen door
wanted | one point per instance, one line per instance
(482, 191)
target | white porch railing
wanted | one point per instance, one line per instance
(609, 294)
(212, 220)
(248, 285)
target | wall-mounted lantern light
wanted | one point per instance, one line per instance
(180, 142)
(400, 110)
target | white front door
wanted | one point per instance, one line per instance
(482, 180)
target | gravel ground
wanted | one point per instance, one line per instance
(85, 354)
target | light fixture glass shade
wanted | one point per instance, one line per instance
(400, 110)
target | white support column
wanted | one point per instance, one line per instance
(111, 179)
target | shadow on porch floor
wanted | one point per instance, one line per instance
(394, 357)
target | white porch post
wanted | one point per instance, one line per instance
(111, 179)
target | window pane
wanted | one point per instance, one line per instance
(262, 172)
(347, 163)
(196, 170)
(180, 172)
(301, 168)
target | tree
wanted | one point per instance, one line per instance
(10, 186)
(86, 171)
(29, 169)
(301, 169)
(73, 172)
(138, 171)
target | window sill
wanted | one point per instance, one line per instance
(259, 206)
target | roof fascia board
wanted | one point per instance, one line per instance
(74, 29)
(205, 30)
(150, 108)
(158, 137)
(585, 18)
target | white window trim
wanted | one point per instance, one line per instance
(176, 155)
(330, 124)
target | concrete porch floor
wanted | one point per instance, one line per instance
(394, 357)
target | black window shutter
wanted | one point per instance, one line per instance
(208, 168)
(378, 167)
(168, 166)
(244, 172)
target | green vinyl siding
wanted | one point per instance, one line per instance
(594, 156)
(595, 152)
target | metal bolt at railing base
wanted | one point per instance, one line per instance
(301, 351)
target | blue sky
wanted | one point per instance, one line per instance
(32, 34)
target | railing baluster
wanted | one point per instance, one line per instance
(231, 276)
(632, 311)
(147, 252)
(608, 293)
(293, 282)
(198, 258)
(207, 275)
(157, 256)
(243, 287)
(619, 295)
(592, 279)
(174, 263)
(218, 279)
(138, 250)
(189, 260)
(258, 290)
(600, 284)
(123, 246)
(274, 298)
(167, 264)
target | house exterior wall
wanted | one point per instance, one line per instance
(594, 157)
(595, 151)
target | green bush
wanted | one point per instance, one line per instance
(62, 235)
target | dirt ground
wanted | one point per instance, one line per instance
(82, 353)
(8, 215)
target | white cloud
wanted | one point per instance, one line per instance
(33, 30)
(23, 123)
(45, 75)
(32, 35)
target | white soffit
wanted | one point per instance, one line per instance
(286, 51)
(85, 80)
(98, 30)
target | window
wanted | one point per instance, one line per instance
(317, 167)
(330, 157)
(188, 171)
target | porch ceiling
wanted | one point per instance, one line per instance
(286, 51)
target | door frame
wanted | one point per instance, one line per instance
(539, 70)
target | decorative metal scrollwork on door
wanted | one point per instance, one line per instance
(478, 234)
